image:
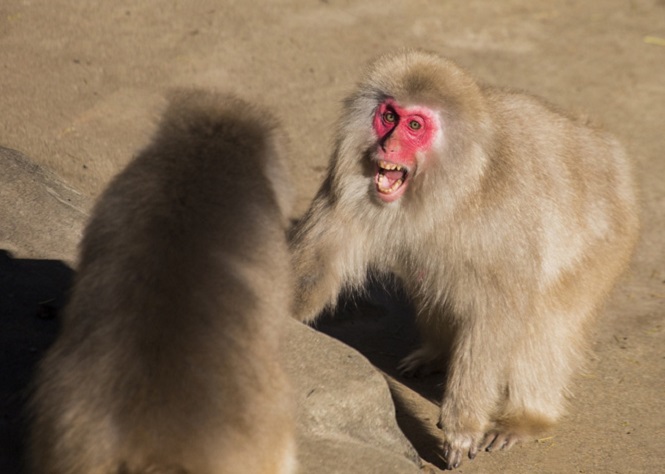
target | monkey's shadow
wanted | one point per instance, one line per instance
(380, 325)
(31, 294)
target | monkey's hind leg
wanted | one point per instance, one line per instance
(424, 361)
(539, 372)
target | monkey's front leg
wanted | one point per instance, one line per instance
(326, 256)
(472, 389)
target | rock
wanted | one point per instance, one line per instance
(41, 216)
(346, 417)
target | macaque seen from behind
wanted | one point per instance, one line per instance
(168, 360)
(507, 221)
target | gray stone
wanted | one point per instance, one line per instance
(41, 216)
(346, 417)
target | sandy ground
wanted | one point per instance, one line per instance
(81, 84)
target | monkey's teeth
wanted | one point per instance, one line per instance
(389, 166)
(396, 185)
(388, 178)
(384, 188)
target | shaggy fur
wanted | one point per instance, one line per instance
(168, 358)
(515, 226)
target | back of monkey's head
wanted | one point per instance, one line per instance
(217, 117)
(222, 119)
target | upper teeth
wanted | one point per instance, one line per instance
(389, 166)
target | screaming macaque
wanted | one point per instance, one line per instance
(507, 221)
(168, 357)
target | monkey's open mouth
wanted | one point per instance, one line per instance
(390, 180)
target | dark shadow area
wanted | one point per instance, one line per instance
(380, 325)
(32, 292)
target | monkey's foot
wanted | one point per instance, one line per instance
(458, 445)
(420, 363)
(496, 440)
(513, 428)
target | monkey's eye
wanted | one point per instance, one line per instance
(415, 125)
(389, 117)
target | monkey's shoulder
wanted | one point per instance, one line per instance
(525, 113)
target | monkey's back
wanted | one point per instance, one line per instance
(169, 351)
(574, 171)
(562, 203)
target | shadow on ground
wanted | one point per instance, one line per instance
(31, 294)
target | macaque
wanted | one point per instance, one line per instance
(507, 221)
(168, 359)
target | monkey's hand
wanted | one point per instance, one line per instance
(463, 431)
(457, 445)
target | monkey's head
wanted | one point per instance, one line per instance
(417, 121)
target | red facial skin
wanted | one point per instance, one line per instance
(403, 132)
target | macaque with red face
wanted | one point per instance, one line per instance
(507, 221)
(168, 360)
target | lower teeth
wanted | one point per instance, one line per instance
(392, 188)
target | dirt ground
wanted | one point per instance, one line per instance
(81, 84)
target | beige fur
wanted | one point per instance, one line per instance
(515, 226)
(168, 357)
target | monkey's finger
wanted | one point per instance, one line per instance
(473, 451)
(488, 440)
(511, 441)
(502, 441)
(452, 456)
(455, 459)
(498, 443)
